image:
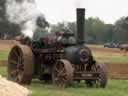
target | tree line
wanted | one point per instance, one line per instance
(7, 30)
(97, 31)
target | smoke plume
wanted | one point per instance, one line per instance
(26, 15)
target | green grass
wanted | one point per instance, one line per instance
(113, 59)
(3, 71)
(114, 88)
(38, 88)
(4, 55)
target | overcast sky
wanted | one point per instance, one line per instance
(64, 10)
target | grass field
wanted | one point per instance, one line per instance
(114, 88)
(112, 59)
(4, 55)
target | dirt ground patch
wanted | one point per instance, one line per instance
(6, 45)
(117, 71)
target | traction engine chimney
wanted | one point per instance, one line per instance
(80, 34)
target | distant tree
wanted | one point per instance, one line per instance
(121, 29)
(2, 9)
(95, 29)
(2, 16)
(109, 33)
(7, 30)
(123, 23)
(64, 27)
(57, 27)
(72, 26)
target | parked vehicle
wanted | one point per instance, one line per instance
(123, 46)
(111, 45)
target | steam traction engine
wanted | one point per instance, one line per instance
(60, 57)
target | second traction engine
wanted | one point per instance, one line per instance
(58, 57)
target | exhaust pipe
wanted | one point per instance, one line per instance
(80, 34)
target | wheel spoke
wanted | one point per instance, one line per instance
(20, 59)
(18, 78)
(13, 62)
(61, 66)
(61, 72)
(64, 74)
(20, 66)
(64, 80)
(57, 70)
(15, 52)
(14, 72)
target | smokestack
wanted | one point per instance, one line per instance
(80, 34)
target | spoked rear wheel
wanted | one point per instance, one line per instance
(62, 74)
(20, 64)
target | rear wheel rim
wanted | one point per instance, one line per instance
(20, 65)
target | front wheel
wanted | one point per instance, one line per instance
(102, 81)
(102, 77)
(62, 74)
